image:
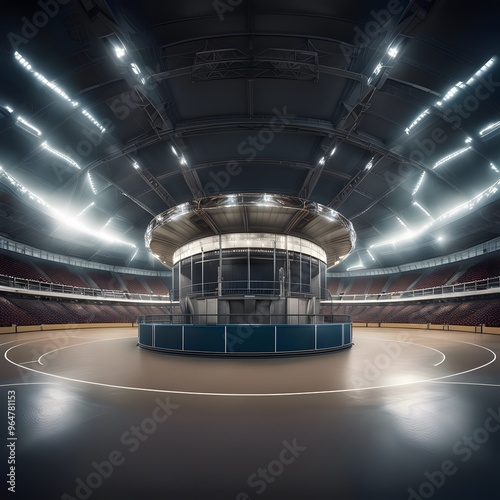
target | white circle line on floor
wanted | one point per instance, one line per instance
(412, 343)
(75, 345)
(275, 394)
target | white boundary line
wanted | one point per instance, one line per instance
(413, 343)
(223, 394)
(28, 383)
(468, 383)
(73, 345)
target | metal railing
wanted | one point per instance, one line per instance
(271, 288)
(245, 287)
(43, 286)
(470, 286)
(237, 319)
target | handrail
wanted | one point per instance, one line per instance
(252, 287)
(45, 286)
(235, 319)
(469, 286)
(256, 288)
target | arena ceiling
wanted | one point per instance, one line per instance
(386, 111)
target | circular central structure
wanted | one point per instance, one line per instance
(250, 213)
(249, 259)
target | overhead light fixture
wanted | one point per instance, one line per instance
(370, 254)
(494, 168)
(332, 152)
(135, 255)
(392, 51)
(369, 165)
(107, 223)
(451, 156)
(180, 157)
(120, 52)
(9, 109)
(403, 224)
(322, 161)
(417, 204)
(360, 265)
(419, 183)
(481, 70)
(489, 129)
(55, 152)
(91, 182)
(468, 140)
(55, 88)
(468, 205)
(136, 165)
(62, 216)
(417, 120)
(25, 125)
(88, 207)
(452, 92)
(93, 120)
(135, 68)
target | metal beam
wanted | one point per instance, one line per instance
(244, 123)
(355, 181)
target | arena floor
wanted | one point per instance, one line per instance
(403, 414)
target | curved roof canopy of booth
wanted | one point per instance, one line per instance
(251, 213)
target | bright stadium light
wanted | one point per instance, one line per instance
(57, 153)
(450, 94)
(451, 156)
(62, 216)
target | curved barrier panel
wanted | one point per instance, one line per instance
(250, 338)
(295, 338)
(245, 339)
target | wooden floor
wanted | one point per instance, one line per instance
(401, 415)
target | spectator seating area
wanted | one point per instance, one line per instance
(487, 268)
(21, 311)
(455, 273)
(59, 273)
(12, 266)
(473, 312)
(134, 284)
(24, 311)
(157, 285)
(19, 266)
(439, 277)
(104, 280)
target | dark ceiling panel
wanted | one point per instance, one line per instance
(253, 98)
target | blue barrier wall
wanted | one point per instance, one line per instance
(245, 339)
